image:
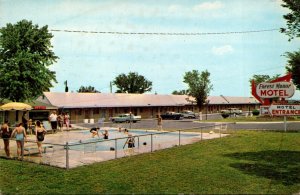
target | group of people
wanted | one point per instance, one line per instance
(59, 120)
(130, 140)
(20, 135)
(95, 132)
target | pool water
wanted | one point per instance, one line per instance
(118, 139)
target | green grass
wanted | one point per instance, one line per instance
(244, 163)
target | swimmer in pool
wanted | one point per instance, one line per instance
(105, 134)
(94, 131)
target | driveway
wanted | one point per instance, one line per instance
(190, 123)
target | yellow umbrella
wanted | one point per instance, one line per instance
(15, 106)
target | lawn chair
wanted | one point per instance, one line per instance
(48, 127)
(221, 128)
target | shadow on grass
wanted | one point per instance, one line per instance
(280, 166)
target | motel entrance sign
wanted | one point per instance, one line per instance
(284, 110)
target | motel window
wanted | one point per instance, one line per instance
(96, 111)
(79, 111)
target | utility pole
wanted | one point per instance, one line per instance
(66, 86)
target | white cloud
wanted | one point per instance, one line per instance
(225, 49)
(174, 8)
(208, 6)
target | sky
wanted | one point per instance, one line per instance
(95, 59)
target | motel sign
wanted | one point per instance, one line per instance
(278, 89)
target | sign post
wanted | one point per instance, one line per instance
(285, 124)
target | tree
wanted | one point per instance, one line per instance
(132, 83)
(293, 66)
(88, 89)
(25, 54)
(292, 18)
(260, 78)
(199, 86)
(181, 92)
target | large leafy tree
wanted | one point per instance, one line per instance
(132, 83)
(199, 86)
(260, 78)
(25, 54)
(292, 18)
(293, 30)
(181, 92)
(88, 89)
(293, 66)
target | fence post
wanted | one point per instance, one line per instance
(67, 155)
(116, 148)
(201, 134)
(151, 142)
(179, 137)
(22, 149)
(138, 141)
(220, 130)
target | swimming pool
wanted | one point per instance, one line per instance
(118, 139)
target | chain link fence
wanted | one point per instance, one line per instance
(76, 147)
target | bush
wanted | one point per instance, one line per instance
(225, 115)
(255, 112)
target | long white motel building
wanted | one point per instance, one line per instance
(84, 107)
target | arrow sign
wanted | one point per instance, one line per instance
(284, 110)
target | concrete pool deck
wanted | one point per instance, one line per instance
(57, 155)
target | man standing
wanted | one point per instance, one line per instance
(159, 122)
(53, 120)
(25, 121)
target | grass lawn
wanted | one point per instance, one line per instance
(243, 163)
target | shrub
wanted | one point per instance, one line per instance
(255, 112)
(225, 115)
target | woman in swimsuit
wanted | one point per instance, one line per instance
(40, 135)
(19, 133)
(5, 136)
(105, 134)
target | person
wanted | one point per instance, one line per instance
(130, 141)
(20, 134)
(5, 136)
(159, 122)
(25, 121)
(94, 131)
(60, 121)
(40, 135)
(30, 126)
(53, 120)
(120, 129)
(67, 120)
(105, 134)
(125, 131)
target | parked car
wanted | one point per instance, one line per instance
(188, 114)
(125, 118)
(232, 111)
(171, 115)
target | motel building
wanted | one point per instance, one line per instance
(90, 107)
